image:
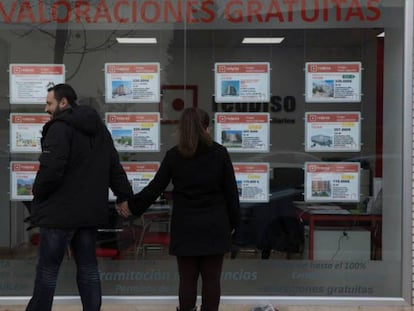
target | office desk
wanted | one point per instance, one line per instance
(319, 218)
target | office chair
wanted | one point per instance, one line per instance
(154, 231)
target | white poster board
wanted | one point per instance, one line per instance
(333, 82)
(132, 82)
(139, 175)
(29, 82)
(134, 132)
(243, 132)
(332, 181)
(26, 131)
(242, 82)
(333, 131)
(22, 176)
(252, 181)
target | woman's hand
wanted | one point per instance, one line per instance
(123, 209)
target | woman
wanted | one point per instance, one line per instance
(205, 211)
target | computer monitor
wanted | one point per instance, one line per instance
(289, 177)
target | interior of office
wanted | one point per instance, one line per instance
(285, 246)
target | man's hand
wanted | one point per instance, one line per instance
(123, 209)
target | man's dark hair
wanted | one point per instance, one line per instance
(64, 90)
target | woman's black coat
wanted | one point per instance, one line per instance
(205, 200)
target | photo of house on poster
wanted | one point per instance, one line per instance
(242, 82)
(132, 82)
(332, 181)
(327, 82)
(252, 181)
(134, 132)
(243, 132)
(29, 82)
(22, 176)
(139, 175)
(26, 131)
(332, 131)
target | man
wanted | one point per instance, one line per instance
(78, 164)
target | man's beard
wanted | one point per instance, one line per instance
(57, 111)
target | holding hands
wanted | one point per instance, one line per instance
(123, 209)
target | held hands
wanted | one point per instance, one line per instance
(123, 209)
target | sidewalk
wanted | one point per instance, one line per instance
(143, 307)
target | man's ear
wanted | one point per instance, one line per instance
(63, 104)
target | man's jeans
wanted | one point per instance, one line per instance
(53, 246)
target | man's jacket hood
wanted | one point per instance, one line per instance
(82, 118)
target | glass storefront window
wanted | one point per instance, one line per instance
(287, 246)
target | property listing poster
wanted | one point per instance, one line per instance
(252, 181)
(333, 82)
(332, 181)
(29, 82)
(22, 176)
(139, 175)
(242, 82)
(132, 82)
(332, 131)
(132, 132)
(26, 131)
(247, 132)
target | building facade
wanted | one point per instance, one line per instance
(329, 114)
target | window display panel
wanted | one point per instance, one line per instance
(332, 131)
(286, 245)
(28, 82)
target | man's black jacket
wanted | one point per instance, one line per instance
(77, 166)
